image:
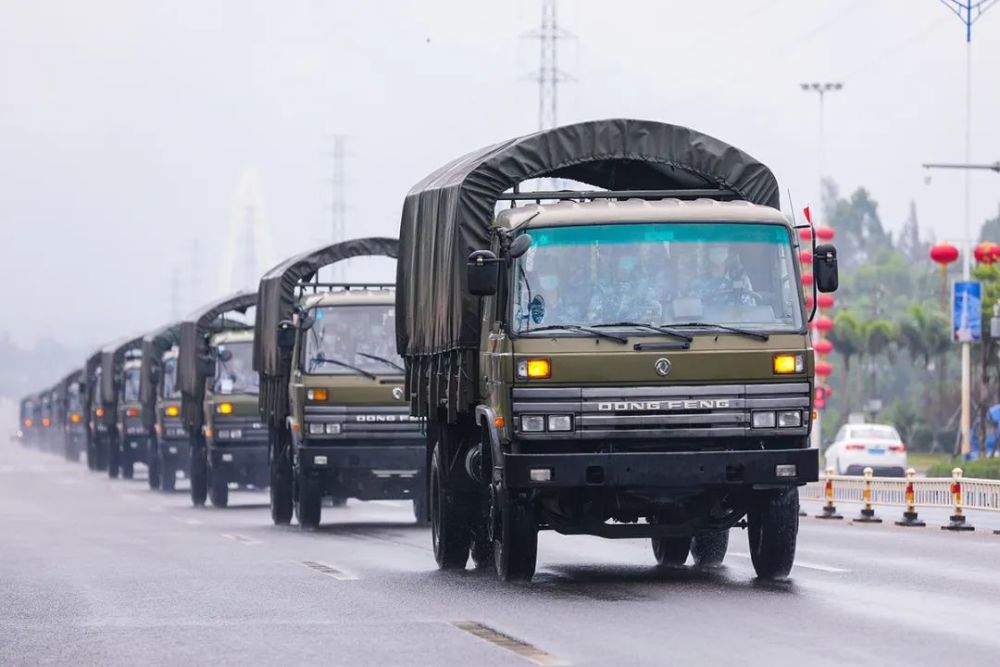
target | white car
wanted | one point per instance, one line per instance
(860, 446)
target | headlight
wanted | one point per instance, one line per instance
(560, 423)
(333, 429)
(534, 369)
(173, 411)
(788, 363)
(317, 394)
(316, 429)
(236, 434)
(790, 419)
(763, 420)
(532, 423)
(224, 408)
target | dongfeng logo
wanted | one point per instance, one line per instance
(397, 393)
(662, 366)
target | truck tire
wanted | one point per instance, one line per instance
(218, 489)
(168, 475)
(709, 549)
(449, 520)
(199, 475)
(280, 487)
(101, 456)
(773, 525)
(671, 551)
(420, 512)
(153, 464)
(515, 549)
(308, 501)
(338, 501)
(114, 456)
(127, 466)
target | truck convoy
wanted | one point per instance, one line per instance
(332, 388)
(631, 360)
(228, 443)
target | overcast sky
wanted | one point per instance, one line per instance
(125, 126)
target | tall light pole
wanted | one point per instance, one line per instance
(968, 11)
(820, 88)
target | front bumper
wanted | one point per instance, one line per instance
(174, 448)
(388, 459)
(237, 454)
(662, 470)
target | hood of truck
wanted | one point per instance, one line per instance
(354, 389)
(711, 358)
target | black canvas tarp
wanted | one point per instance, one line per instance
(195, 331)
(112, 358)
(154, 344)
(63, 387)
(277, 302)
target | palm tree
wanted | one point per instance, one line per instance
(847, 340)
(925, 334)
(878, 336)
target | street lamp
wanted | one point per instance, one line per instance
(821, 89)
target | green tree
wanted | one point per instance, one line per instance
(925, 335)
(878, 336)
(848, 342)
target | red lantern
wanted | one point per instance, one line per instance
(806, 234)
(823, 368)
(809, 302)
(986, 252)
(823, 346)
(807, 279)
(824, 233)
(805, 257)
(996, 252)
(819, 404)
(825, 301)
(944, 253)
(824, 323)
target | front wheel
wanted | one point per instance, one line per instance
(168, 474)
(218, 488)
(420, 512)
(449, 520)
(127, 466)
(308, 501)
(114, 457)
(153, 464)
(671, 551)
(280, 487)
(709, 549)
(515, 549)
(773, 525)
(199, 475)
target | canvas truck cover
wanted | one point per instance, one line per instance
(195, 330)
(112, 358)
(447, 215)
(154, 345)
(62, 389)
(277, 302)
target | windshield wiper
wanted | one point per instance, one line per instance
(722, 327)
(327, 360)
(577, 327)
(651, 327)
(387, 362)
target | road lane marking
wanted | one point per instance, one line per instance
(516, 646)
(242, 539)
(189, 522)
(806, 564)
(328, 570)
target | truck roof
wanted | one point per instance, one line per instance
(360, 297)
(639, 210)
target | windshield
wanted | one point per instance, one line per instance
(661, 273)
(73, 398)
(130, 385)
(170, 388)
(363, 337)
(236, 375)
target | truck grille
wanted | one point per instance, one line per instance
(252, 431)
(716, 411)
(362, 422)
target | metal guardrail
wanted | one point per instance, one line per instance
(910, 493)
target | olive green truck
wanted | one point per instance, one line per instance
(627, 360)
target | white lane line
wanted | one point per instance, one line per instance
(516, 646)
(189, 522)
(328, 570)
(806, 565)
(242, 539)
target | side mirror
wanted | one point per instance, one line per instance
(225, 354)
(482, 271)
(519, 246)
(286, 336)
(154, 374)
(207, 366)
(306, 322)
(825, 268)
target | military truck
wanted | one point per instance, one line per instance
(109, 448)
(332, 388)
(134, 433)
(629, 360)
(47, 423)
(28, 424)
(69, 408)
(160, 398)
(94, 415)
(228, 443)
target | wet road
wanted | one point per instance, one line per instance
(94, 571)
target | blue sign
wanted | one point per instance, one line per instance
(966, 311)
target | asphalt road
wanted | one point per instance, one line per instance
(105, 572)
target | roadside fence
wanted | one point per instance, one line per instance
(912, 492)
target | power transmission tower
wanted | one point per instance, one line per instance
(338, 205)
(247, 238)
(548, 76)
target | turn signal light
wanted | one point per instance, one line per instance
(225, 408)
(75, 417)
(534, 369)
(788, 363)
(173, 410)
(132, 412)
(317, 394)
(99, 412)
(28, 422)
(46, 421)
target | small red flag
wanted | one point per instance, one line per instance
(809, 217)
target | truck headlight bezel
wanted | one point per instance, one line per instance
(533, 423)
(763, 419)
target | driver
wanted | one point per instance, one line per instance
(628, 296)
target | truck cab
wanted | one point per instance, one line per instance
(72, 408)
(28, 426)
(172, 442)
(235, 438)
(135, 438)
